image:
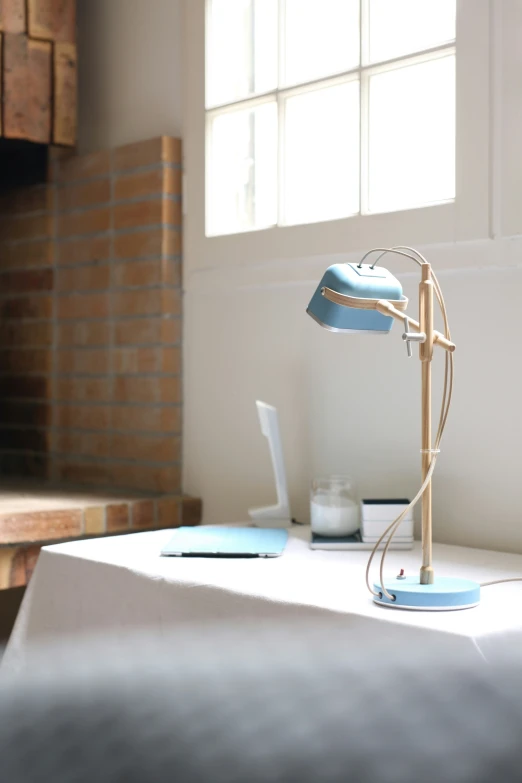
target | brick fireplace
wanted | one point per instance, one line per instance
(90, 330)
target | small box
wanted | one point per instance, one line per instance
(377, 515)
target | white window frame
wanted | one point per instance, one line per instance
(465, 218)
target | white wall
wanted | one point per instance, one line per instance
(130, 67)
(351, 403)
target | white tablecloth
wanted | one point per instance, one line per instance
(121, 584)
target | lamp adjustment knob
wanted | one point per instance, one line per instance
(411, 337)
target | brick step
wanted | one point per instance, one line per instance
(34, 514)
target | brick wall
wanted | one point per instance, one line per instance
(90, 327)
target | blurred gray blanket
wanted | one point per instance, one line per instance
(245, 705)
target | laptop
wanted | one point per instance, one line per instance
(222, 541)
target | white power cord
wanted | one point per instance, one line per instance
(419, 259)
(390, 531)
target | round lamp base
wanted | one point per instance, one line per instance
(445, 594)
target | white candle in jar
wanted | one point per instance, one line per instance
(333, 515)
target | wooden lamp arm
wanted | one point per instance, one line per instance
(393, 309)
(386, 308)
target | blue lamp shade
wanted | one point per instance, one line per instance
(363, 283)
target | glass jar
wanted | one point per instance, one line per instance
(334, 511)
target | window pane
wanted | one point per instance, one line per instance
(321, 38)
(242, 170)
(321, 155)
(400, 27)
(412, 136)
(241, 49)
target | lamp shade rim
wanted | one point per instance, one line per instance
(347, 331)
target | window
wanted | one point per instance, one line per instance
(324, 109)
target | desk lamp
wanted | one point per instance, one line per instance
(364, 297)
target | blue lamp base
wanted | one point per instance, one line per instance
(444, 595)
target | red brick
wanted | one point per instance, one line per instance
(94, 361)
(17, 573)
(117, 517)
(79, 251)
(79, 167)
(84, 195)
(141, 153)
(145, 301)
(171, 212)
(171, 360)
(40, 526)
(169, 512)
(28, 360)
(171, 331)
(143, 183)
(83, 278)
(138, 273)
(143, 331)
(83, 472)
(136, 360)
(82, 417)
(149, 448)
(191, 511)
(171, 150)
(135, 214)
(25, 334)
(147, 418)
(94, 521)
(167, 479)
(31, 558)
(149, 242)
(172, 181)
(33, 198)
(83, 306)
(171, 245)
(26, 254)
(83, 389)
(26, 227)
(26, 307)
(143, 514)
(172, 272)
(135, 389)
(26, 280)
(83, 333)
(171, 301)
(170, 389)
(83, 444)
(92, 221)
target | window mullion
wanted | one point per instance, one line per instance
(364, 85)
(363, 105)
(281, 15)
(280, 159)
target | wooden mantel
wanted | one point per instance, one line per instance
(38, 71)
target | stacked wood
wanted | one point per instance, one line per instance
(38, 71)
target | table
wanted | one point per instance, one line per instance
(120, 584)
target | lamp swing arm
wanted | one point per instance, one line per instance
(394, 308)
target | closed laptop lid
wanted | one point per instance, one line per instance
(222, 541)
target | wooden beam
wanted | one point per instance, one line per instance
(27, 89)
(12, 16)
(64, 109)
(52, 20)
